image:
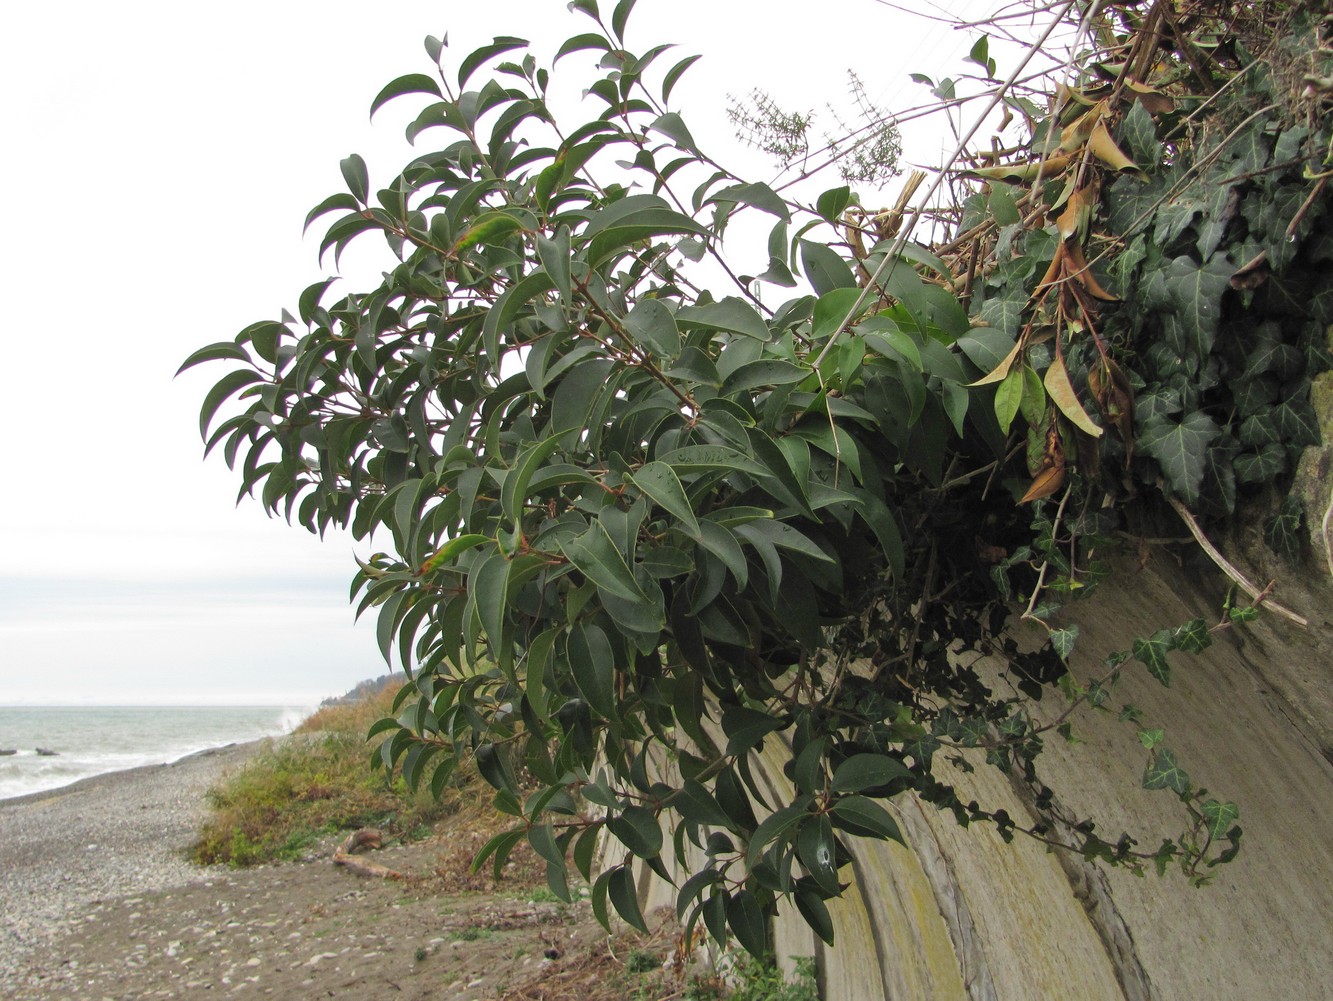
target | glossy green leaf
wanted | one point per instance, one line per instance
(747, 922)
(761, 196)
(824, 269)
(1009, 395)
(818, 852)
(514, 493)
(598, 559)
(831, 204)
(745, 727)
(730, 314)
(474, 60)
(215, 352)
(226, 387)
(816, 914)
(592, 662)
(358, 181)
(638, 830)
(653, 325)
(765, 372)
(863, 771)
(488, 228)
(411, 83)
(625, 898)
(674, 74)
(860, 815)
(661, 484)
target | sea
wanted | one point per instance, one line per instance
(93, 740)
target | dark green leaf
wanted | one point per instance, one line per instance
(862, 771)
(471, 62)
(592, 662)
(358, 182)
(731, 314)
(223, 349)
(653, 325)
(674, 74)
(1221, 817)
(863, 816)
(1152, 653)
(824, 269)
(818, 852)
(660, 483)
(1181, 450)
(411, 83)
(761, 374)
(1063, 640)
(747, 921)
(597, 557)
(761, 196)
(745, 727)
(1192, 637)
(673, 127)
(625, 897)
(1163, 772)
(816, 914)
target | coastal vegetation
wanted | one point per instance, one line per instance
(302, 789)
(647, 520)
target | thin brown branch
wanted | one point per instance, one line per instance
(1243, 582)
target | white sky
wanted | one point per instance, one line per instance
(157, 160)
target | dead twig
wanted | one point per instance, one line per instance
(367, 837)
(1260, 596)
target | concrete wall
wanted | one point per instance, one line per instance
(961, 915)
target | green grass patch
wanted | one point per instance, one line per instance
(315, 782)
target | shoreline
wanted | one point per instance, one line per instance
(111, 835)
(248, 746)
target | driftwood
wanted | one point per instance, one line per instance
(367, 837)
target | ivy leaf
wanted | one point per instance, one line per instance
(1220, 817)
(1196, 295)
(1192, 637)
(1297, 423)
(1282, 531)
(1139, 133)
(1163, 772)
(1181, 450)
(1152, 653)
(1063, 640)
(1261, 466)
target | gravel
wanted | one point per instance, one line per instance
(113, 835)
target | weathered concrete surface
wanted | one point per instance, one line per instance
(1265, 927)
(962, 915)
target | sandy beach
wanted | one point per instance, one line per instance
(97, 901)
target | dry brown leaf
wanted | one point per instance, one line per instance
(1061, 392)
(1104, 149)
(1081, 272)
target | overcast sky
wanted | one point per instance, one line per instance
(157, 162)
